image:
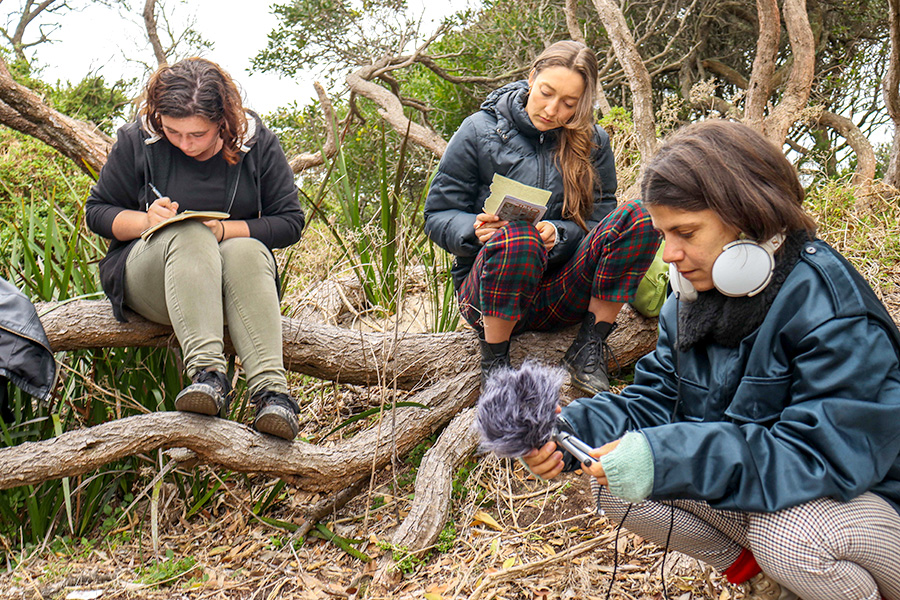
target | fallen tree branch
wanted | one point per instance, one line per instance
(338, 354)
(237, 447)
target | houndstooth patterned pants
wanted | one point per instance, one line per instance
(821, 550)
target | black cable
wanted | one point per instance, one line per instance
(612, 579)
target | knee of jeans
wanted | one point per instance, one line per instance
(519, 238)
(191, 237)
(246, 255)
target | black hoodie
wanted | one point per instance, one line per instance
(260, 188)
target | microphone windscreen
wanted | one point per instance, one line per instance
(517, 409)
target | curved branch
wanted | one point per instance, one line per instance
(391, 108)
(23, 110)
(865, 154)
(307, 160)
(237, 447)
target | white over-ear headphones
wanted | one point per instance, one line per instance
(744, 268)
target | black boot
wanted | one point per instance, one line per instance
(493, 356)
(587, 357)
(208, 394)
(276, 414)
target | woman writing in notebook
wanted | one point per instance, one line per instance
(195, 147)
(584, 260)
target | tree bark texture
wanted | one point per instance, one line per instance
(891, 92)
(338, 354)
(635, 71)
(149, 15)
(23, 110)
(763, 72)
(803, 69)
(234, 446)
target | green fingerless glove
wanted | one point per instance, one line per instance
(629, 468)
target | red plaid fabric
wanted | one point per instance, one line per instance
(510, 278)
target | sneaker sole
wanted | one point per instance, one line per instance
(277, 421)
(197, 398)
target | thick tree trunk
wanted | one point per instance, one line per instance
(803, 70)
(317, 468)
(891, 92)
(761, 77)
(635, 71)
(338, 354)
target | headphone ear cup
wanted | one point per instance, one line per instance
(744, 268)
(681, 287)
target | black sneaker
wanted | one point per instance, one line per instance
(276, 414)
(588, 357)
(493, 356)
(209, 394)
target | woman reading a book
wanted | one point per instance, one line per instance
(195, 147)
(583, 260)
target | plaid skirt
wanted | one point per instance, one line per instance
(510, 278)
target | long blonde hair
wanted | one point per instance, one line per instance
(573, 157)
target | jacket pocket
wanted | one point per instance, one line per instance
(760, 399)
(697, 403)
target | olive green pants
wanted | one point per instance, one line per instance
(182, 277)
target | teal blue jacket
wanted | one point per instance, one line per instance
(807, 406)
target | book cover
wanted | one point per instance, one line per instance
(516, 209)
(520, 201)
(203, 215)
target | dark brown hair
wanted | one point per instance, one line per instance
(733, 170)
(577, 140)
(197, 87)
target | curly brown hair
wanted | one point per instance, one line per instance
(576, 143)
(197, 87)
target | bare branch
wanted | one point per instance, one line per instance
(803, 70)
(152, 32)
(638, 77)
(306, 160)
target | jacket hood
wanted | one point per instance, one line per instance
(507, 104)
(246, 142)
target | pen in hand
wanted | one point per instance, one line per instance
(155, 191)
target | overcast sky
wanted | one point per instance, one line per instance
(98, 37)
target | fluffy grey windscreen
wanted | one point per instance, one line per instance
(517, 409)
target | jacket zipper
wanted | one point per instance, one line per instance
(541, 168)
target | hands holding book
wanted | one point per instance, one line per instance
(487, 224)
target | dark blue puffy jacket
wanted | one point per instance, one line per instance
(806, 407)
(501, 138)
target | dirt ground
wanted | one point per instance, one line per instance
(512, 537)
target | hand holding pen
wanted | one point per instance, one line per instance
(162, 208)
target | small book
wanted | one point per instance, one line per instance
(203, 215)
(514, 201)
(516, 209)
